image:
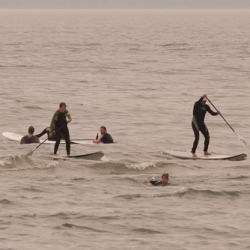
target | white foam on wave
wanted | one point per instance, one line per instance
(141, 165)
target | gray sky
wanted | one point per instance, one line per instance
(120, 4)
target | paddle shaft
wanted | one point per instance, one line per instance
(242, 140)
(85, 139)
(222, 116)
(32, 151)
(81, 139)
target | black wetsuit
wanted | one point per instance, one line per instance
(27, 140)
(198, 124)
(46, 131)
(61, 129)
(107, 138)
(158, 183)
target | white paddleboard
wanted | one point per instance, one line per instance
(17, 137)
(189, 156)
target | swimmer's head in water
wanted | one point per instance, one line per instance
(164, 178)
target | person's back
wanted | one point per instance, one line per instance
(30, 138)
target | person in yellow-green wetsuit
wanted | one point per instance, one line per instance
(59, 122)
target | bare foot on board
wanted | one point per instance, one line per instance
(206, 153)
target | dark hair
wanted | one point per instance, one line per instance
(103, 127)
(31, 129)
(165, 175)
(62, 104)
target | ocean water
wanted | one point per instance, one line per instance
(138, 72)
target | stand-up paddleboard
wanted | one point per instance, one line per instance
(188, 156)
(91, 156)
(17, 137)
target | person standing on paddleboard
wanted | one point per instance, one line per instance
(59, 123)
(199, 112)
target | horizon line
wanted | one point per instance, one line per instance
(125, 8)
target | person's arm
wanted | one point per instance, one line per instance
(197, 105)
(155, 183)
(97, 141)
(211, 112)
(22, 141)
(37, 140)
(68, 116)
(53, 121)
(200, 99)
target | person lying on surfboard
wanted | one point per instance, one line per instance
(30, 138)
(105, 137)
(199, 112)
(163, 182)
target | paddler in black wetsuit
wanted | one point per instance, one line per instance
(199, 112)
(163, 182)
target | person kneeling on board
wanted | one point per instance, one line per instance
(105, 137)
(199, 112)
(163, 182)
(30, 138)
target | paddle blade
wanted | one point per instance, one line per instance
(30, 153)
(242, 140)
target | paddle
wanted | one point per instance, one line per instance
(32, 151)
(81, 139)
(85, 139)
(242, 140)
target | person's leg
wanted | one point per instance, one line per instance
(58, 139)
(42, 133)
(65, 132)
(205, 132)
(196, 140)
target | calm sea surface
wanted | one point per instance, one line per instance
(139, 74)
